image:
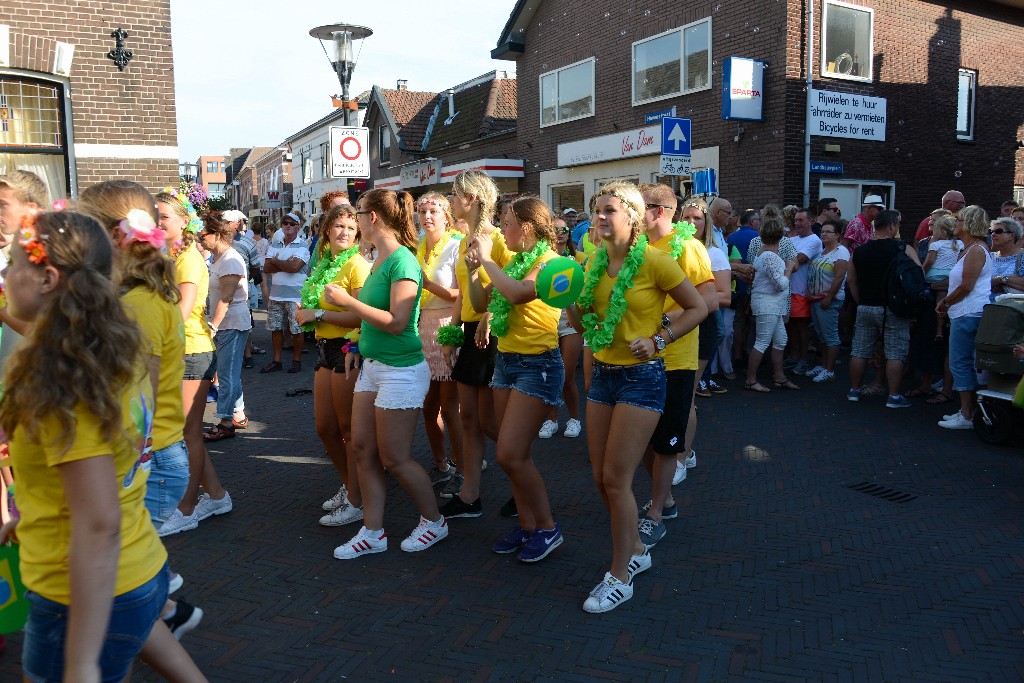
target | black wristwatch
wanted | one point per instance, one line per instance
(659, 342)
(665, 322)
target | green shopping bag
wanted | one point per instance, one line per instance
(13, 605)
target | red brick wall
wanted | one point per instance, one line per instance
(133, 107)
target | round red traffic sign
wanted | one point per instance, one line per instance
(344, 145)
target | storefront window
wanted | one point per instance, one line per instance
(846, 50)
(567, 197)
(32, 131)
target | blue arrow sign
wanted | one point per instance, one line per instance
(675, 136)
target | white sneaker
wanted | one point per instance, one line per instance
(950, 416)
(825, 376)
(425, 534)
(813, 372)
(548, 429)
(208, 506)
(680, 474)
(957, 421)
(572, 428)
(175, 583)
(176, 522)
(607, 595)
(346, 513)
(336, 500)
(638, 564)
(691, 459)
(366, 542)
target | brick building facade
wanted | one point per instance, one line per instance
(68, 113)
(938, 66)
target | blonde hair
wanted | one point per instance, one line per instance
(696, 202)
(632, 202)
(662, 194)
(479, 185)
(333, 215)
(82, 350)
(771, 231)
(188, 237)
(442, 202)
(396, 211)
(975, 221)
(789, 215)
(945, 224)
(27, 186)
(140, 264)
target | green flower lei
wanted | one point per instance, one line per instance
(598, 333)
(682, 232)
(517, 269)
(326, 270)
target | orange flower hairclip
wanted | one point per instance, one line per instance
(29, 239)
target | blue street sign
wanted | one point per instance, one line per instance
(655, 116)
(828, 167)
(675, 136)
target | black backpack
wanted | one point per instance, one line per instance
(904, 288)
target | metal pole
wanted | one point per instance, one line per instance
(807, 107)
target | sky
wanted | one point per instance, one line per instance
(248, 74)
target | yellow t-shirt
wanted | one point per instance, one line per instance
(645, 301)
(532, 327)
(190, 267)
(351, 276)
(500, 254)
(696, 264)
(163, 328)
(45, 527)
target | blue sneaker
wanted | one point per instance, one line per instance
(515, 540)
(853, 395)
(898, 402)
(670, 512)
(541, 543)
(211, 397)
(651, 532)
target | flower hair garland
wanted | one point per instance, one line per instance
(194, 223)
(30, 240)
(599, 334)
(139, 226)
(500, 307)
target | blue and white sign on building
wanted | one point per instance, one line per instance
(743, 89)
(656, 116)
(675, 137)
(827, 167)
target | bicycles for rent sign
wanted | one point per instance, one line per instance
(350, 152)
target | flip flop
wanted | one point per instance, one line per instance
(915, 393)
(291, 393)
(219, 432)
(785, 384)
(296, 366)
(273, 366)
(938, 398)
(756, 386)
(872, 390)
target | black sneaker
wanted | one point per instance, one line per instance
(457, 508)
(509, 509)
(439, 476)
(185, 618)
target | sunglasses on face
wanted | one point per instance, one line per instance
(562, 231)
(288, 224)
(1000, 231)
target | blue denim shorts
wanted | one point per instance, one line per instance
(540, 375)
(641, 385)
(131, 620)
(167, 481)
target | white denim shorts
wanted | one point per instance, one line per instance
(396, 388)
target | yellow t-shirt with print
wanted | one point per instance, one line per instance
(533, 326)
(696, 264)
(190, 267)
(45, 528)
(164, 330)
(500, 254)
(351, 276)
(645, 301)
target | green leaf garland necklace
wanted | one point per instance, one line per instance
(681, 232)
(600, 333)
(326, 270)
(517, 269)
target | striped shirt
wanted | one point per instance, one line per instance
(288, 286)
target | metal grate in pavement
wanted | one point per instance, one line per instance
(884, 492)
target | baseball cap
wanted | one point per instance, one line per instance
(873, 200)
(232, 215)
(568, 211)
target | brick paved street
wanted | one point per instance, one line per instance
(776, 570)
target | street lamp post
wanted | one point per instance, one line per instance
(341, 37)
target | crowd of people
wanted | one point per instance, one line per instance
(126, 309)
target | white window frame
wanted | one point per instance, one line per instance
(681, 30)
(868, 59)
(384, 128)
(555, 72)
(967, 135)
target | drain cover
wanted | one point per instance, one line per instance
(884, 492)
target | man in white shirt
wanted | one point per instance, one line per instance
(287, 260)
(808, 246)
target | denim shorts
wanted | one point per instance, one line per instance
(641, 385)
(200, 366)
(962, 332)
(540, 375)
(396, 388)
(167, 481)
(133, 615)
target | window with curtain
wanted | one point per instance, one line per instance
(32, 131)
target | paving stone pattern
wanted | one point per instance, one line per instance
(776, 569)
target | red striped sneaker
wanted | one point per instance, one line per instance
(425, 535)
(366, 542)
